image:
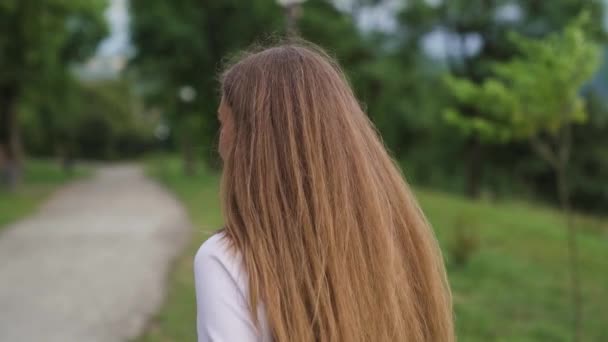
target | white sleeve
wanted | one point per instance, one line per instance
(222, 311)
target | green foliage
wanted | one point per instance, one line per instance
(181, 44)
(39, 42)
(589, 165)
(537, 92)
(111, 107)
(467, 160)
(94, 120)
(40, 38)
(336, 31)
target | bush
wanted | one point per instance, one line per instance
(464, 240)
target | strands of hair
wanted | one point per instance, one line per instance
(334, 243)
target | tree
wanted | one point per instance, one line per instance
(180, 46)
(38, 42)
(486, 23)
(536, 97)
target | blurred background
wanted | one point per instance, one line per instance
(497, 111)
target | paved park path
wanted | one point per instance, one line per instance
(91, 264)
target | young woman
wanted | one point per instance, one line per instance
(323, 240)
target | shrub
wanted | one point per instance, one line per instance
(464, 240)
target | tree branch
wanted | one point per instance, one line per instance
(565, 144)
(544, 151)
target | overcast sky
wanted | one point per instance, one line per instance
(117, 43)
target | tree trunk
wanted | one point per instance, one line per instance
(575, 281)
(188, 156)
(474, 168)
(10, 148)
(292, 13)
(67, 161)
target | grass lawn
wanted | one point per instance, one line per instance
(40, 178)
(514, 286)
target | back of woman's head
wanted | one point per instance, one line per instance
(334, 243)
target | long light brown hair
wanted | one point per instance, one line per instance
(333, 241)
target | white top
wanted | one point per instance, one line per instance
(221, 296)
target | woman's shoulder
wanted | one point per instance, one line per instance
(216, 245)
(217, 255)
(221, 295)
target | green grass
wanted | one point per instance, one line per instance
(513, 288)
(177, 319)
(40, 179)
